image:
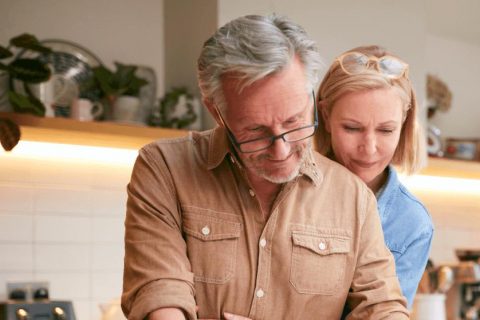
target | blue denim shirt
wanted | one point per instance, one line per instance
(408, 232)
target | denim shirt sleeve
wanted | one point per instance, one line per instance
(408, 232)
(411, 264)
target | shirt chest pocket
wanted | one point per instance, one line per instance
(211, 247)
(318, 262)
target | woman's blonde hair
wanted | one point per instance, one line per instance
(337, 83)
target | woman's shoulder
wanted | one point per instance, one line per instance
(406, 206)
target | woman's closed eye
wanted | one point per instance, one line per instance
(352, 128)
(386, 131)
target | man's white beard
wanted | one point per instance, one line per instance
(295, 172)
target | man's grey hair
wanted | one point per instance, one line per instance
(253, 47)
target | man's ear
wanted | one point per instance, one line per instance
(213, 110)
(322, 106)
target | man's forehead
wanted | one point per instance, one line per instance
(237, 82)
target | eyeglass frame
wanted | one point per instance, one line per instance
(377, 66)
(237, 144)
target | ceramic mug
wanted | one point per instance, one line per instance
(85, 110)
(429, 307)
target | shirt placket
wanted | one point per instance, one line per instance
(263, 285)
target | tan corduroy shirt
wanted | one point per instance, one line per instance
(195, 234)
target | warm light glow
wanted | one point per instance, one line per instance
(445, 184)
(57, 151)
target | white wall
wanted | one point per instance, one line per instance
(61, 221)
(457, 63)
(337, 26)
(126, 31)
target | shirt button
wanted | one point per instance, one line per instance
(263, 243)
(252, 193)
(322, 245)
(206, 231)
(260, 293)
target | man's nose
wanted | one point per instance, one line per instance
(280, 149)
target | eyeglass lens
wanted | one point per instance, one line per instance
(355, 62)
(290, 136)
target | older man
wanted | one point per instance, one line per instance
(246, 218)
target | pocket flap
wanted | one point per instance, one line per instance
(210, 229)
(321, 244)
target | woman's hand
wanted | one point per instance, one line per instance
(231, 316)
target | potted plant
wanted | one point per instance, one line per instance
(29, 71)
(120, 90)
(177, 109)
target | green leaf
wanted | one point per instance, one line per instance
(29, 70)
(104, 77)
(26, 104)
(123, 76)
(135, 84)
(30, 42)
(5, 53)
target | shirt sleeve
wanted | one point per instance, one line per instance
(411, 264)
(375, 292)
(157, 272)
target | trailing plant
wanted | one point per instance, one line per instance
(27, 70)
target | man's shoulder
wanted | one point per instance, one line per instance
(333, 172)
(191, 140)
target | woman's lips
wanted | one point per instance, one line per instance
(364, 164)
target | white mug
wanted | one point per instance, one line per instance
(429, 307)
(85, 110)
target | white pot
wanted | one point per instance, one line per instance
(126, 109)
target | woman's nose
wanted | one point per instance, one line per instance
(369, 145)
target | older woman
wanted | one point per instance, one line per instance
(368, 124)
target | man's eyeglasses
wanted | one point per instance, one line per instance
(259, 144)
(356, 62)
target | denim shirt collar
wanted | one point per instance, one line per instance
(387, 192)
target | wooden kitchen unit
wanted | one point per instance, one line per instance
(91, 133)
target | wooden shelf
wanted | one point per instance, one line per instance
(92, 133)
(111, 134)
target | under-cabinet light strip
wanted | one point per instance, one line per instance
(442, 184)
(118, 156)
